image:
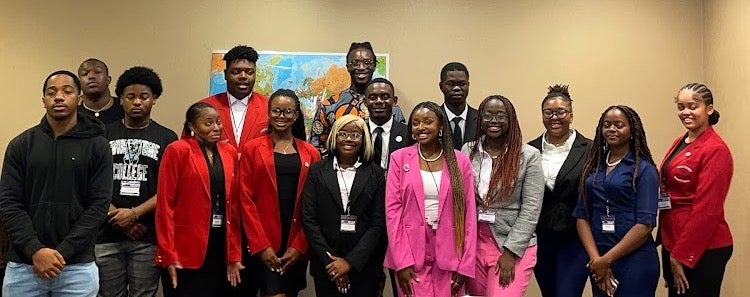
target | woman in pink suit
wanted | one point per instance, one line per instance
(430, 210)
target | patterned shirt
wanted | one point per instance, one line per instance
(346, 102)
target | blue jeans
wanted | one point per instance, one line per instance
(75, 280)
(127, 268)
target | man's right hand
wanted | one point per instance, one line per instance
(48, 263)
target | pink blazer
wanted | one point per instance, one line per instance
(405, 217)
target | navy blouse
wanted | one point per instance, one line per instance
(628, 205)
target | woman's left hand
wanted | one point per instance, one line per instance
(233, 273)
(599, 268)
(506, 268)
(457, 282)
(290, 257)
(338, 268)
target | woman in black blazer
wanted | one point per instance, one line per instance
(561, 260)
(343, 214)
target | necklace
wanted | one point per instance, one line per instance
(613, 164)
(286, 147)
(96, 111)
(429, 160)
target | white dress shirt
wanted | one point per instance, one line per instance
(386, 134)
(239, 109)
(462, 123)
(553, 158)
(345, 179)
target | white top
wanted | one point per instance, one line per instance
(386, 140)
(239, 108)
(553, 158)
(345, 178)
(431, 184)
(462, 123)
(483, 174)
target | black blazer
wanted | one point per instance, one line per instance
(398, 129)
(321, 219)
(399, 137)
(558, 204)
(470, 129)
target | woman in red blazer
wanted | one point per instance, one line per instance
(197, 226)
(273, 169)
(695, 174)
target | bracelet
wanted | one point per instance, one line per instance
(134, 213)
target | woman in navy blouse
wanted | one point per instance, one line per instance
(617, 209)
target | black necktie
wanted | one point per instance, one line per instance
(378, 149)
(458, 137)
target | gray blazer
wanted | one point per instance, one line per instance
(516, 218)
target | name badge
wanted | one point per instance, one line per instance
(664, 201)
(487, 216)
(130, 188)
(348, 224)
(608, 224)
(217, 220)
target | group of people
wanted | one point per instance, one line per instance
(450, 200)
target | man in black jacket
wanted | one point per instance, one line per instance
(54, 192)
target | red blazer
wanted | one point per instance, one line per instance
(697, 180)
(256, 117)
(183, 205)
(259, 197)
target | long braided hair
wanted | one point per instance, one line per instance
(446, 142)
(596, 156)
(505, 173)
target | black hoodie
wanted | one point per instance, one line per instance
(55, 192)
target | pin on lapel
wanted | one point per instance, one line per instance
(399, 138)
(406, 167)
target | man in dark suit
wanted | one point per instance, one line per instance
(387, 135)
(454, 83)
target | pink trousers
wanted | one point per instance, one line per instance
(433, 281)
(487, 283)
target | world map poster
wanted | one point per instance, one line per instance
(312, 76)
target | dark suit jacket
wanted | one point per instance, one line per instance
(399, 137)
(259, 201)
(321, 219)
(558, 204)
(470, 129)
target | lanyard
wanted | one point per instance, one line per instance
(346, 188)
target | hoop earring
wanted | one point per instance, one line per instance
(413, 136)
(440, 133)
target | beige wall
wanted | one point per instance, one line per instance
(629, 52)
(726, 45)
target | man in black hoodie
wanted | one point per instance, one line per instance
(55, 188)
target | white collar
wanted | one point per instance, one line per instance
(386, 127)
(232, 99)
(567, 145)
(450, 114)
(337, 168)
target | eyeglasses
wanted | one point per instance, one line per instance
(365, 62)
(500, 116)
(353, 135)
(560, 113)
(275, 112)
